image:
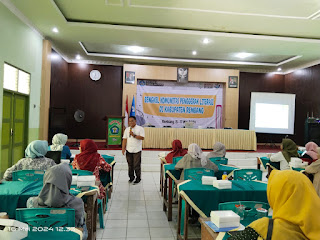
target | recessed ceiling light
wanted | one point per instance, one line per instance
(243, 55)
(279, 69)
(78, 57)
(55, 30)
(194, 52)
(54, 56)
(135, 49)
(205, 41)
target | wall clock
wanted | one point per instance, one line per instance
(95, 75)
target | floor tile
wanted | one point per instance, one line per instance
(138, 223)
(160, 232)
(138, 232)
(114, 233)
(116, 223)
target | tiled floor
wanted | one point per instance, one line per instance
(135, 211)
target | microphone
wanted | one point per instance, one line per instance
(130, 132)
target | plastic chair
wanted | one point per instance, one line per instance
(247, 174)
(175, 160)
(28, 175)
(197, 173)
(46, 217)
(81, 172)
(219, 160)
(247, 210)
(100, 211)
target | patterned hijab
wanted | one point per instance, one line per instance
(289, 149)
(177, 151)
(55, 192)
(36, 149)
(312, 150)
(89, 157)
(58, 141)
(195, 151)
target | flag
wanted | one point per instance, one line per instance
(133, 109)
(126, 114)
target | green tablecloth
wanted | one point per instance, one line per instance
(106, 177)
(176, 173)
(14, 194)
(207, 198)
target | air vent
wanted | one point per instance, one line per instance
(119, 3)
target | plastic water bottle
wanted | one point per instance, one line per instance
(224, 176)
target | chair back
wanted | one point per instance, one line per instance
(247, 174)
(248, 211)
(108, 159)
(28, 175)
(54, 155)
(81, 172)
(46, 217)
(219, 160)
(175, 160)
(197, 173)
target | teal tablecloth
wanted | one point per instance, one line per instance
(207, 198)
(14, 194)
(106, 178)
(176, 173)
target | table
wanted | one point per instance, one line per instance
(171, 175)
(207, 233)
(265, 163)
(205, 198)
(14, 194)
(106, 178)
(233, 139)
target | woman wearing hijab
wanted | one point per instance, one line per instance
(289, 150)
(59, 144)
(311, 151)
(194, 159)
(314, 169)
(296, 208)
(219, 150)
(55, 194)
(177, 151)
(34, 159)
(89, 159)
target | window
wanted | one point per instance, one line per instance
(16, 80)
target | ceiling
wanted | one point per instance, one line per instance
(275, 33)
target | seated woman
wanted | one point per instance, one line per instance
(289, 150)
(219, 150)
(311, 153)
(55, 194)
(314, 169)
(59, 144)
(177, 151)
(296, 208)
(89, 159)
(35, 159)
(194, 159)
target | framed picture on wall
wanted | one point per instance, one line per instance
(129, 77)
(233, 82)
(182, 75)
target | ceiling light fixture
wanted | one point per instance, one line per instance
(78, 57)
(55, 30)
(243, 55)
(279, 69)
(205, 41)
(194, 52)
(135, 49)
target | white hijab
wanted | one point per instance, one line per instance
(195, 151)
(58, 141)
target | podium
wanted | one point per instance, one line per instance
(114, 130)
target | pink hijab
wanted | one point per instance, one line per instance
(312, 150)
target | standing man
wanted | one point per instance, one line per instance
(132, 143)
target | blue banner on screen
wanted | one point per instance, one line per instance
(165, 103)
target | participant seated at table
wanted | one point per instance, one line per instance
(311, 153)
(34, 159)
(194, 159)
(219, 150)
(55, 194)
(296, 208)
(59, 144)
(314, 169)
(289, 150)
(89, 159)
(177, 151)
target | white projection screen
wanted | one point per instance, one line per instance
(272, 112)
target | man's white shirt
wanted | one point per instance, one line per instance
(133, 145)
